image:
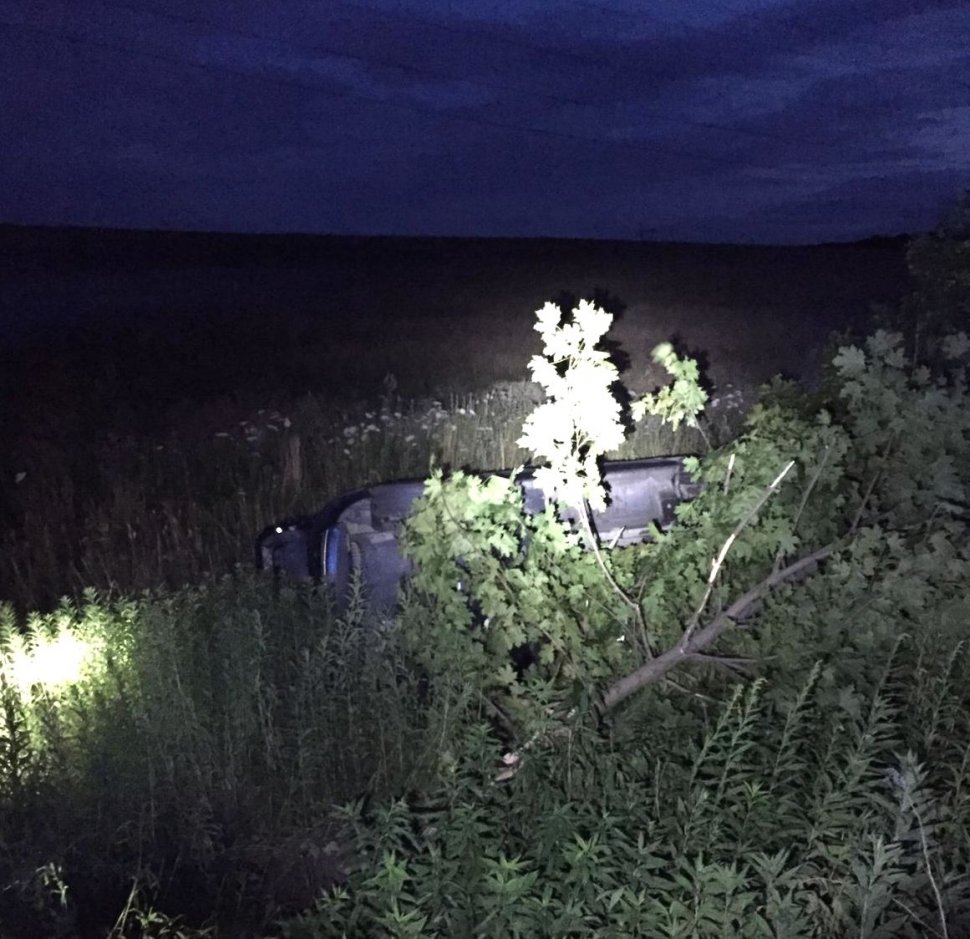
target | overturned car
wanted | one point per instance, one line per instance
(356, 534)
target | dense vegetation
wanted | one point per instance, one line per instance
(757, 724)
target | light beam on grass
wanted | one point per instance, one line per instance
(50, 663)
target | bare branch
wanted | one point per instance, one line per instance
(722, 554)
(689, 647)
(729, 471)
(634, 604)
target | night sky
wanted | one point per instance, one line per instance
(773, 121)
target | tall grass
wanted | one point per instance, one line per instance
(127, 514)
(232, 757)
(784, 818)
(200, 748)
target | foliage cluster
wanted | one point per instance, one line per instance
(581, 418)
(525, 584)
(866, 475)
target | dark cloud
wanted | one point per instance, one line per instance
(741, 120)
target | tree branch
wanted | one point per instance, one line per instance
(593, 541)
(722, 554)
(816, 474)
(684, 651)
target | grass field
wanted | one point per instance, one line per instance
(217, 754)
(144, 417)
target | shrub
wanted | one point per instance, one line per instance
(874, 472)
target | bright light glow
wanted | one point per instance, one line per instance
(50, 662)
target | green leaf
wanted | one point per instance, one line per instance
(850, 361)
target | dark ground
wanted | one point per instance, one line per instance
(118, 325)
